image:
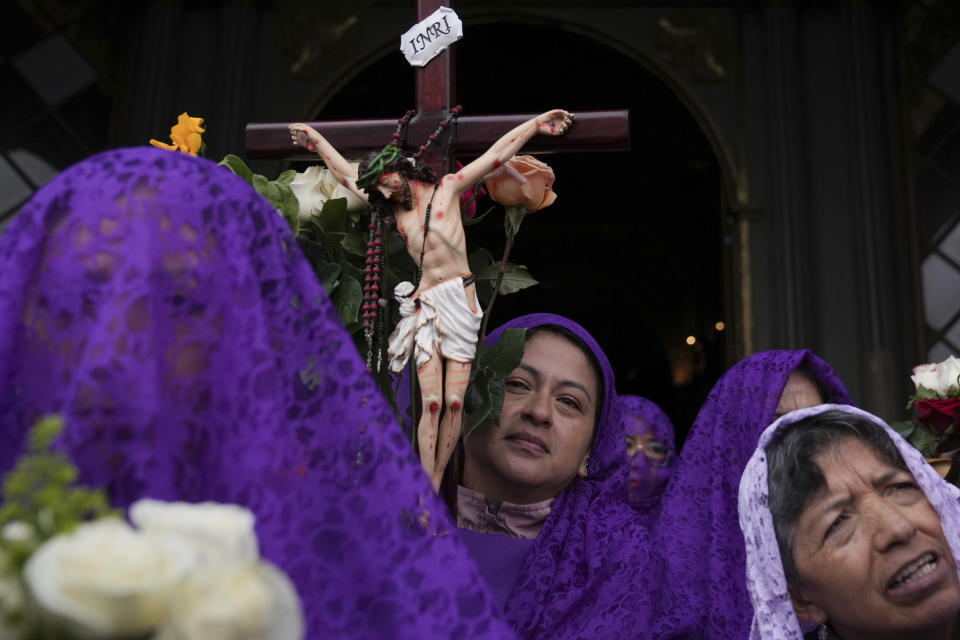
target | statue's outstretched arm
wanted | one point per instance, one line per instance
(552, 123)
(305, 136)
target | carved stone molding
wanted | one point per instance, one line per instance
(315, 34)
(697, 43)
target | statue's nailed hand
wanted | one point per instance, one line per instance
(555, 122)
(303, 135)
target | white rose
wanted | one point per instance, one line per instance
(940, 377)
(253, 602)
(949, 371)
(105, 579)
(221, 533)
(925, 375)
(316, 185)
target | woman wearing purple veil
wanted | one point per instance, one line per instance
(163, 308)
(542, 500)
(650, 449)
(704, 594)
(849, 529)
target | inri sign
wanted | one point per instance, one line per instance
(428, 38)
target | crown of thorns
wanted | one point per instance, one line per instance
(392, 151)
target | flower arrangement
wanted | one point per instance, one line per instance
(936, 404)
(70, 567)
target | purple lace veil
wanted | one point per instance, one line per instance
(775, 618)
(164, 308)
(705, 593)
(590, 573)
(647, 482)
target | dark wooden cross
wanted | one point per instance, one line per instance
(436, 89)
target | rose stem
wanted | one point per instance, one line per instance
(507, 247)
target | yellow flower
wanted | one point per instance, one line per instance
(185, 135)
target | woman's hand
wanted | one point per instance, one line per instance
(555, 122)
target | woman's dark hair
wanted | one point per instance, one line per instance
(793, 477)
(578, 342)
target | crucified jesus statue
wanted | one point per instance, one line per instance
(440, 315)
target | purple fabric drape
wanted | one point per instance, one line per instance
(164, 308)
(590, 573)
(704, 594)
(647, 480)
(775, 618)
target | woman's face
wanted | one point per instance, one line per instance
(800, 392)
(650, 460)
(870, 551)
(543, 439)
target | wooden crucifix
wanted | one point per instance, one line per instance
(436, 89)
(440, 314)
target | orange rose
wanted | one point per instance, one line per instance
(524, 182)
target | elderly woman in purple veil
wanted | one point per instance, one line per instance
(164, 309)
(650, 449)
(704, 594)
(848, 528)
(542, 500)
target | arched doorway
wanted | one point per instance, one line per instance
(633, 248)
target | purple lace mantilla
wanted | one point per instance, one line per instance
(590, 573)
(705, 594)
(775, 618)
(647, 482)
(164, 308)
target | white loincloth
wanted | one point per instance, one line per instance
(443, 318)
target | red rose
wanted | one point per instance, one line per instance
(939, 415)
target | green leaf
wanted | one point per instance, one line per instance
(353, 243)
(473, 398)
(515, 277)
(513, 219)
(497, 388)
(260, 184)
(349, 270)
(272, 193)
(237, 166)
(353, 218)
(327, 274)
(505, 354)
(394, 244)
(480, 259)
(925, 440)
(476, 403)
(346, 298)
(925, 394)
(333, 216)
(904, 428)
(289, 207)
(286, 177)
(44, 432)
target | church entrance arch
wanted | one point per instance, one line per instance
(637, 247)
